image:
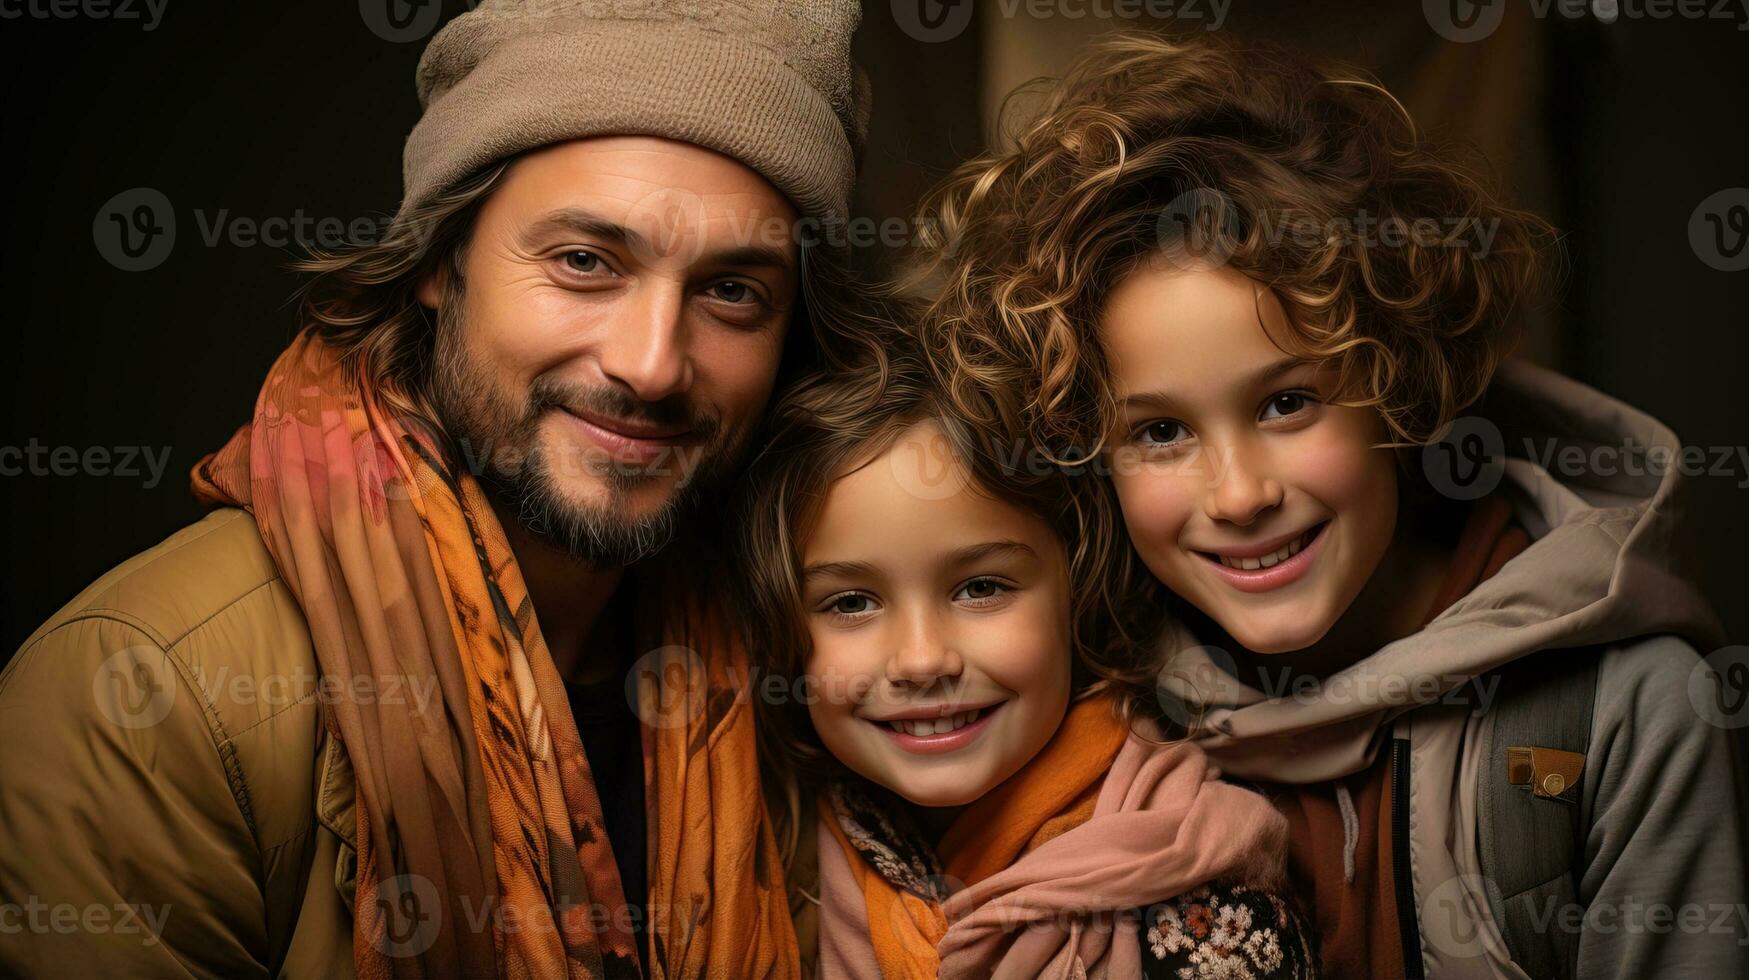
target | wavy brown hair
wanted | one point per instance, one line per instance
(831, 422)
(1218, 152)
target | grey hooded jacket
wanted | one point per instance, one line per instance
(1660, 888)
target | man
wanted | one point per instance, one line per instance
(368, 716)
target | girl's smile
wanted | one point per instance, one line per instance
(939, 618)
(1246, 486)
(1271, 565)
(931, 731)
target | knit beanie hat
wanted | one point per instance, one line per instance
(767, 82)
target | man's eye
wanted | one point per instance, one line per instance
(730, 291)
(587, 263)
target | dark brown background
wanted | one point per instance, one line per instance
(1615, 131)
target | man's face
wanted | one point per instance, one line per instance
(616, 335)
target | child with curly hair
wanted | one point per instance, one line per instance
(1274, 321)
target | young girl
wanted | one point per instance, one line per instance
(959, 750)
(1460, 662)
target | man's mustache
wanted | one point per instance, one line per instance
(674, 412)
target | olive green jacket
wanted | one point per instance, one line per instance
(170, 803)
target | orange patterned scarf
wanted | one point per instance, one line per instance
(481, 846)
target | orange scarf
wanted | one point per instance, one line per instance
(481, 845)
(1099, 821)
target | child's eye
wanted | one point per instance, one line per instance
(850, 605)
(1286, 404)
(982, 592)
(1161, 432)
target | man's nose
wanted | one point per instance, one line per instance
(647, 346)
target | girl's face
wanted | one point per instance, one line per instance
(1243, 489)
(939, 619)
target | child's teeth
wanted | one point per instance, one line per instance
(935, 726)
(1252, 564)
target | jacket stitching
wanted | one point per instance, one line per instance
(262, 721)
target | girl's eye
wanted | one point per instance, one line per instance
(1162, 432)
(982, 591)
(1285, 404)
(851, 604)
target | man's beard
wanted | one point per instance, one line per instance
(498, 441)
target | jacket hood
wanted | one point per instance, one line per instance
(1598, 487)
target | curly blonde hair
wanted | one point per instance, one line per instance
(1242, 155)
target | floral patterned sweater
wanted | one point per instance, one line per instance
(1227, 932)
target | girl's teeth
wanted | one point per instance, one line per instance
(1252, 564)
(934, 726)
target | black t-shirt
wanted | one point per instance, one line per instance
(613, 744)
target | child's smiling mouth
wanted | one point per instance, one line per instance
(1273, 566)
(934, 733)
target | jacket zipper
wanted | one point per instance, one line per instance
(1408, 924)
